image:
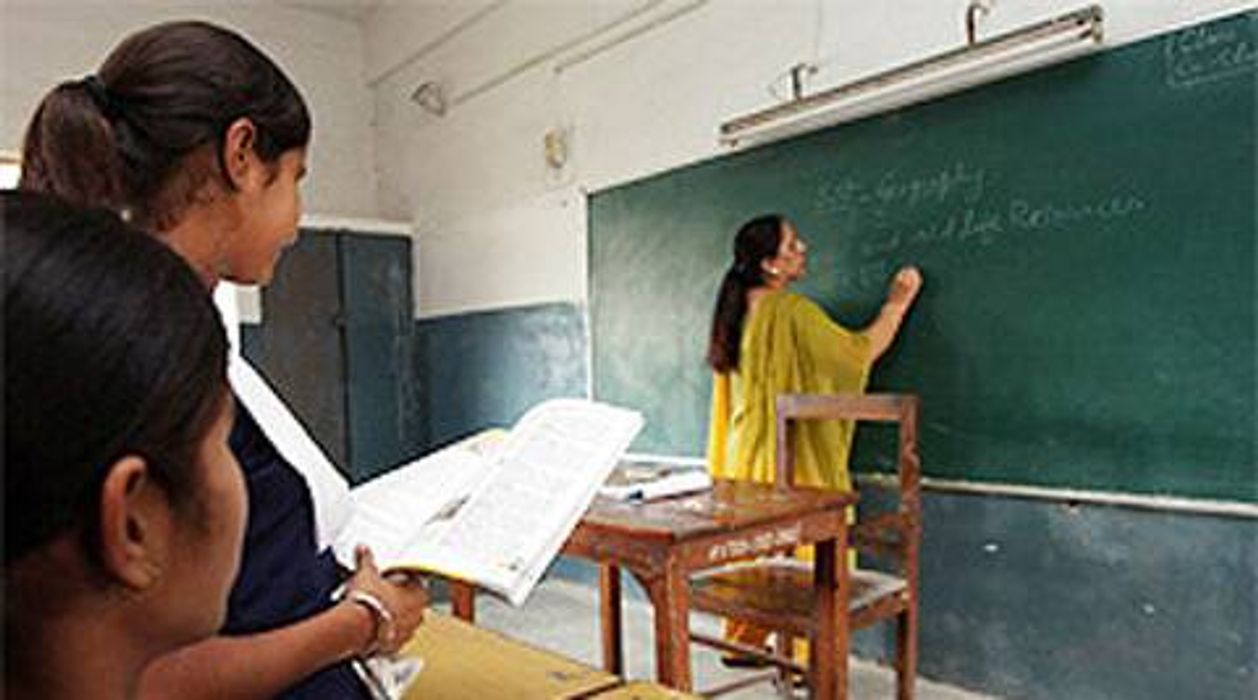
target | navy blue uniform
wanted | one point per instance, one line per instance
(283, 577)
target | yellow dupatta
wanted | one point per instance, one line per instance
(789, 345)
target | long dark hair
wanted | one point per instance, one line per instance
(88, 377)
(756, 240)
(121, 139)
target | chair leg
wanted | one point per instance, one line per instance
(906, 653)
(784, 644)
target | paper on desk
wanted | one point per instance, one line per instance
(633, 479)
(389, 678)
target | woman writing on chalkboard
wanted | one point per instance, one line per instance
(766, 341)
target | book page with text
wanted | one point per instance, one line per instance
(391, 510)
(542, 482)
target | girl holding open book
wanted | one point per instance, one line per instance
(767, 340)
(192, 134)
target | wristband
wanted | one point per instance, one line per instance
(384, 627)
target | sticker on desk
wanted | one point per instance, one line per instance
(751, 546)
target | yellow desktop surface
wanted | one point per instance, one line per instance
(642, 691)
(465, 661)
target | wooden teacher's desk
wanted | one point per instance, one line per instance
(663, 542)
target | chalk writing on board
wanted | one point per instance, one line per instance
(972, 226)
(1203, 54)
(1032, 216)
(976, 227)
(958, 182)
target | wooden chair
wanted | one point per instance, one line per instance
(776, 593)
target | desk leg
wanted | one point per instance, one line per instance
(463, 601)
(670, 596)
(843, 621)
(827, 660)
(610, 618)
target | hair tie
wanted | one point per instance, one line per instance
(101, 96)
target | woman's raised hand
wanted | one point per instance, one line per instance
(905, 286)
(405, 599)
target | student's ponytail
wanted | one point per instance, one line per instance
(71, 148)
(756, 240)
(145, 134)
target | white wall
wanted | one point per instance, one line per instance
(43, 42)
(496, 227)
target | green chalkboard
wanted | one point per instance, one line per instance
(1087, 233)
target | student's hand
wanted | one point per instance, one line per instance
(905, 286)
(405, 598)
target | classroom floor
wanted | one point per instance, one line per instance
(562, 616)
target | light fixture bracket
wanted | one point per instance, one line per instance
(1020, 50)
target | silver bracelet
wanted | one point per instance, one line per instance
(380, 615)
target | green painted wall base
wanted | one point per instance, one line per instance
(484, 370)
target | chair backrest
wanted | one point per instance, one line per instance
(895, 533)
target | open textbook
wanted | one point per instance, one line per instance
(494, 510)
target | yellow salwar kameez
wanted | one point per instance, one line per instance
(789, 345)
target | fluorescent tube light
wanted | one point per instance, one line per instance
(1018, 51)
